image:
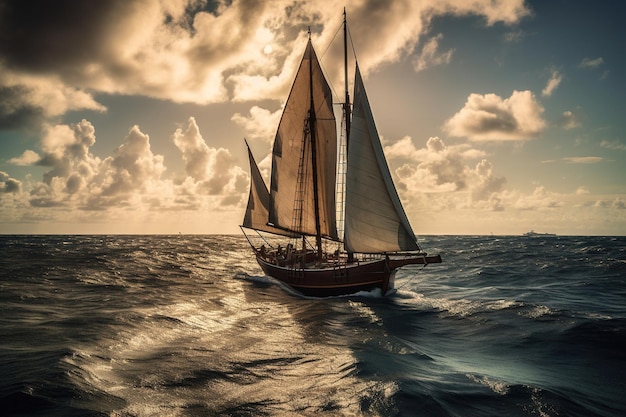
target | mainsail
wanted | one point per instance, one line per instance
(374, 218)
(292, 203)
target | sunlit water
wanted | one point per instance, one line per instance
(188, 326)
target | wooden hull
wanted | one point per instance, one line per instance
(342, 278)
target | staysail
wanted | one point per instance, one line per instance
(257, 211)
(292, 203)
(375, 220)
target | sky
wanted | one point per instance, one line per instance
(129, 116)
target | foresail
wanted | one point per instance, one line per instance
(291, 204)
(257, 210)
(375, 220)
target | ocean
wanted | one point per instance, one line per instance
(188, 326)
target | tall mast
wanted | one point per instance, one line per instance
(312, 120)
(346, 105)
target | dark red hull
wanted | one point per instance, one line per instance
(343, 278)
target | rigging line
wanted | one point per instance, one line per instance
(331, 42)
(322, 57)
(352, 44)
(410, 279)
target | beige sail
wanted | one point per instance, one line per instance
(257, 210)
(292, 204)
(375, 220)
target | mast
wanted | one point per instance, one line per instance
(346, 108)
(346, 105)
(318, 232)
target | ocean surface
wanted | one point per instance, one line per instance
(189, 326)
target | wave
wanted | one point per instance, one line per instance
(177, 325)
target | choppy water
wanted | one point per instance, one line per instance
(188, 326)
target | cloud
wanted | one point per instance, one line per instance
(582, 190)
(446, 189)
(591, 63)
(438, 180)
(508, 12)
(569, 120)
(555, 79)
(616, 204)
(259, 124)
(430, 55)
(577, 160)
(196, 51)
(132, 178)
(79, 179)
(613, 145)
(27, 157)
(490, 118)
(514, 36)
(540, 198)
(485, 185)
(27, 98)
(132, 168)
(213, 170)
(8, 184)
(584, 159)
(443, 169)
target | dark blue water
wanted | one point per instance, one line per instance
(188, 326)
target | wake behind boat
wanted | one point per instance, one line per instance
(308, 185)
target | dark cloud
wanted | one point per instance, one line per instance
(14, 113)
(41, 36)
(8, 184)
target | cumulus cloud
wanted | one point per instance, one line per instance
(540, 198)
(438, 168)
(582, 190)
(431, 56)
(439, 178)
(27, 157)
(8, 184)
(555, 79)
(453, 187)
(79, 179)
(213, 170)
(196, 51)
(259, 124)
(132, 168)
(489, 117)
(132, 177)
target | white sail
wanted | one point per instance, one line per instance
(257, 211)
(292, 204)
(375, 220)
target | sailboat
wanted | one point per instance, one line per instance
(333, 201)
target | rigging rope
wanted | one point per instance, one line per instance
(410, 279)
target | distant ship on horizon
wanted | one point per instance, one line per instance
(532, 233)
